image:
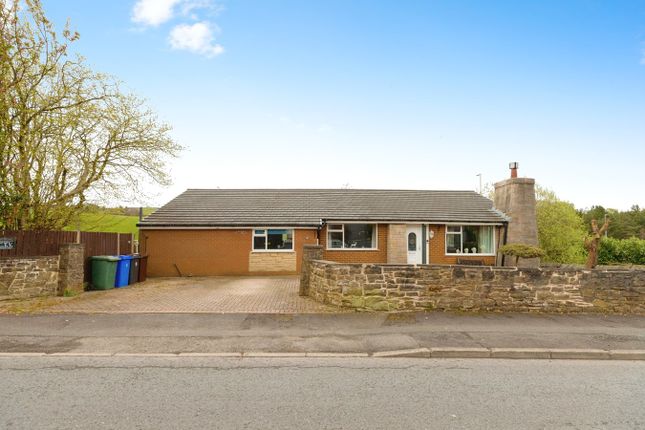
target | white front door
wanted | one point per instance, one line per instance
(414, 244)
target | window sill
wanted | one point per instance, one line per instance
(266, 251)
(470, 255)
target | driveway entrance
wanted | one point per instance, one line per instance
(198, 295)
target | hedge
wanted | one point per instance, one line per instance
(621, 251)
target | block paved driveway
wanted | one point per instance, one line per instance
(198, 295)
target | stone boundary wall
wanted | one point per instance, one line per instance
(383, 287)
(25, 277)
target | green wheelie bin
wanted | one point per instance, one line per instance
(103, 271)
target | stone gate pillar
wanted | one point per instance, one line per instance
(71, 268)
(309, 252)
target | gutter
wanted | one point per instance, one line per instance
(319, 229)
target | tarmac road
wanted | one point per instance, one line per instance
(181, 392)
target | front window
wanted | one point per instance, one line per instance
(273, 240)
(470, 239)
(351, 236)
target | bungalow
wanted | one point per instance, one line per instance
(262, 231)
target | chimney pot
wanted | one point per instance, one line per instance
(513, 166)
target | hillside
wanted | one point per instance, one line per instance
(108, 220)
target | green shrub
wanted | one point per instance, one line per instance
(520, 250)
(621, 251)
(560, 229)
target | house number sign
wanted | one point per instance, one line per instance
(7, 243)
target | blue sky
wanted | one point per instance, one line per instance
(384, 94)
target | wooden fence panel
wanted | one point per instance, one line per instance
(125, 244)
(38, 243)
(35, 243)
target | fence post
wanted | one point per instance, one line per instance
(118, 244)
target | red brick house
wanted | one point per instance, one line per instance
(262, 231)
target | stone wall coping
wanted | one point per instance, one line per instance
(489, 268)
(35, 257)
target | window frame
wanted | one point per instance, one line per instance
(342, 230)
(266, 239)
(461, 240)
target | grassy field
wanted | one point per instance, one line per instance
(108, 221)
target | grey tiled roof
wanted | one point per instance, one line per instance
(306, 207)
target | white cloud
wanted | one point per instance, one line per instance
(211, 8)
(153, 12)
(197, 38)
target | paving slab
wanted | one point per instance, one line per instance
(220, 294)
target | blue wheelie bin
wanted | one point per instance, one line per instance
(123, 271)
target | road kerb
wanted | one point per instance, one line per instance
(273, 354)
(412, 353)
(211, 354)
(450, 352)
(627, 354)
(337, 354)
(80, 354)
(22, 354)
(519, 353)
(580, 354)
(437, 352)
(146, 354)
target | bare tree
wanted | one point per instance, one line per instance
(592, 243)
(66, 132)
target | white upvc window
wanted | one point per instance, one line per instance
(276, 239)
(470, 240)
(354, 236)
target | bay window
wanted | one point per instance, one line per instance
(273, 240)
(351, 236)
(470, 239)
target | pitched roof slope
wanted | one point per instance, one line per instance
(306, 207)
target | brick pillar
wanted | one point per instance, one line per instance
(309, 252)
(70, 269)
(397, 244)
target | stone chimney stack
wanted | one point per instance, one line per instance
(516, 198)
